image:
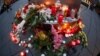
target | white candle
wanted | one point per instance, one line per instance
(64, 54)
(42, 54)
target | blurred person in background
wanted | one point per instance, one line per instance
(6, 5)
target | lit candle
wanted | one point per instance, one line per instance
(73, 13)
(42, 54)
(23, 53)
(60, 18)
(64, 54)
(64, 9)
(53, 10)
(42, 5)
(47, 2)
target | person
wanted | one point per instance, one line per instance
(98, 54)
(6, 5)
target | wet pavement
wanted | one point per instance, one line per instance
(90, 19)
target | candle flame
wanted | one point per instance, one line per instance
(64, 8)
(42, 5)
(47, 2)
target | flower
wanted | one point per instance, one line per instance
(41, 35)
(18, 14)
(81, 25)
(32, 6)
(57, 40)
(76, 29)
(48, 13)
(14, 27)
(20, 26)
(14, 38)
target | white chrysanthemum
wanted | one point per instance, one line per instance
(57, 4)
(48, 12)
(42, 11)
(32, 6)
(23, 15)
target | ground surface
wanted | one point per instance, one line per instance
(90, 19)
